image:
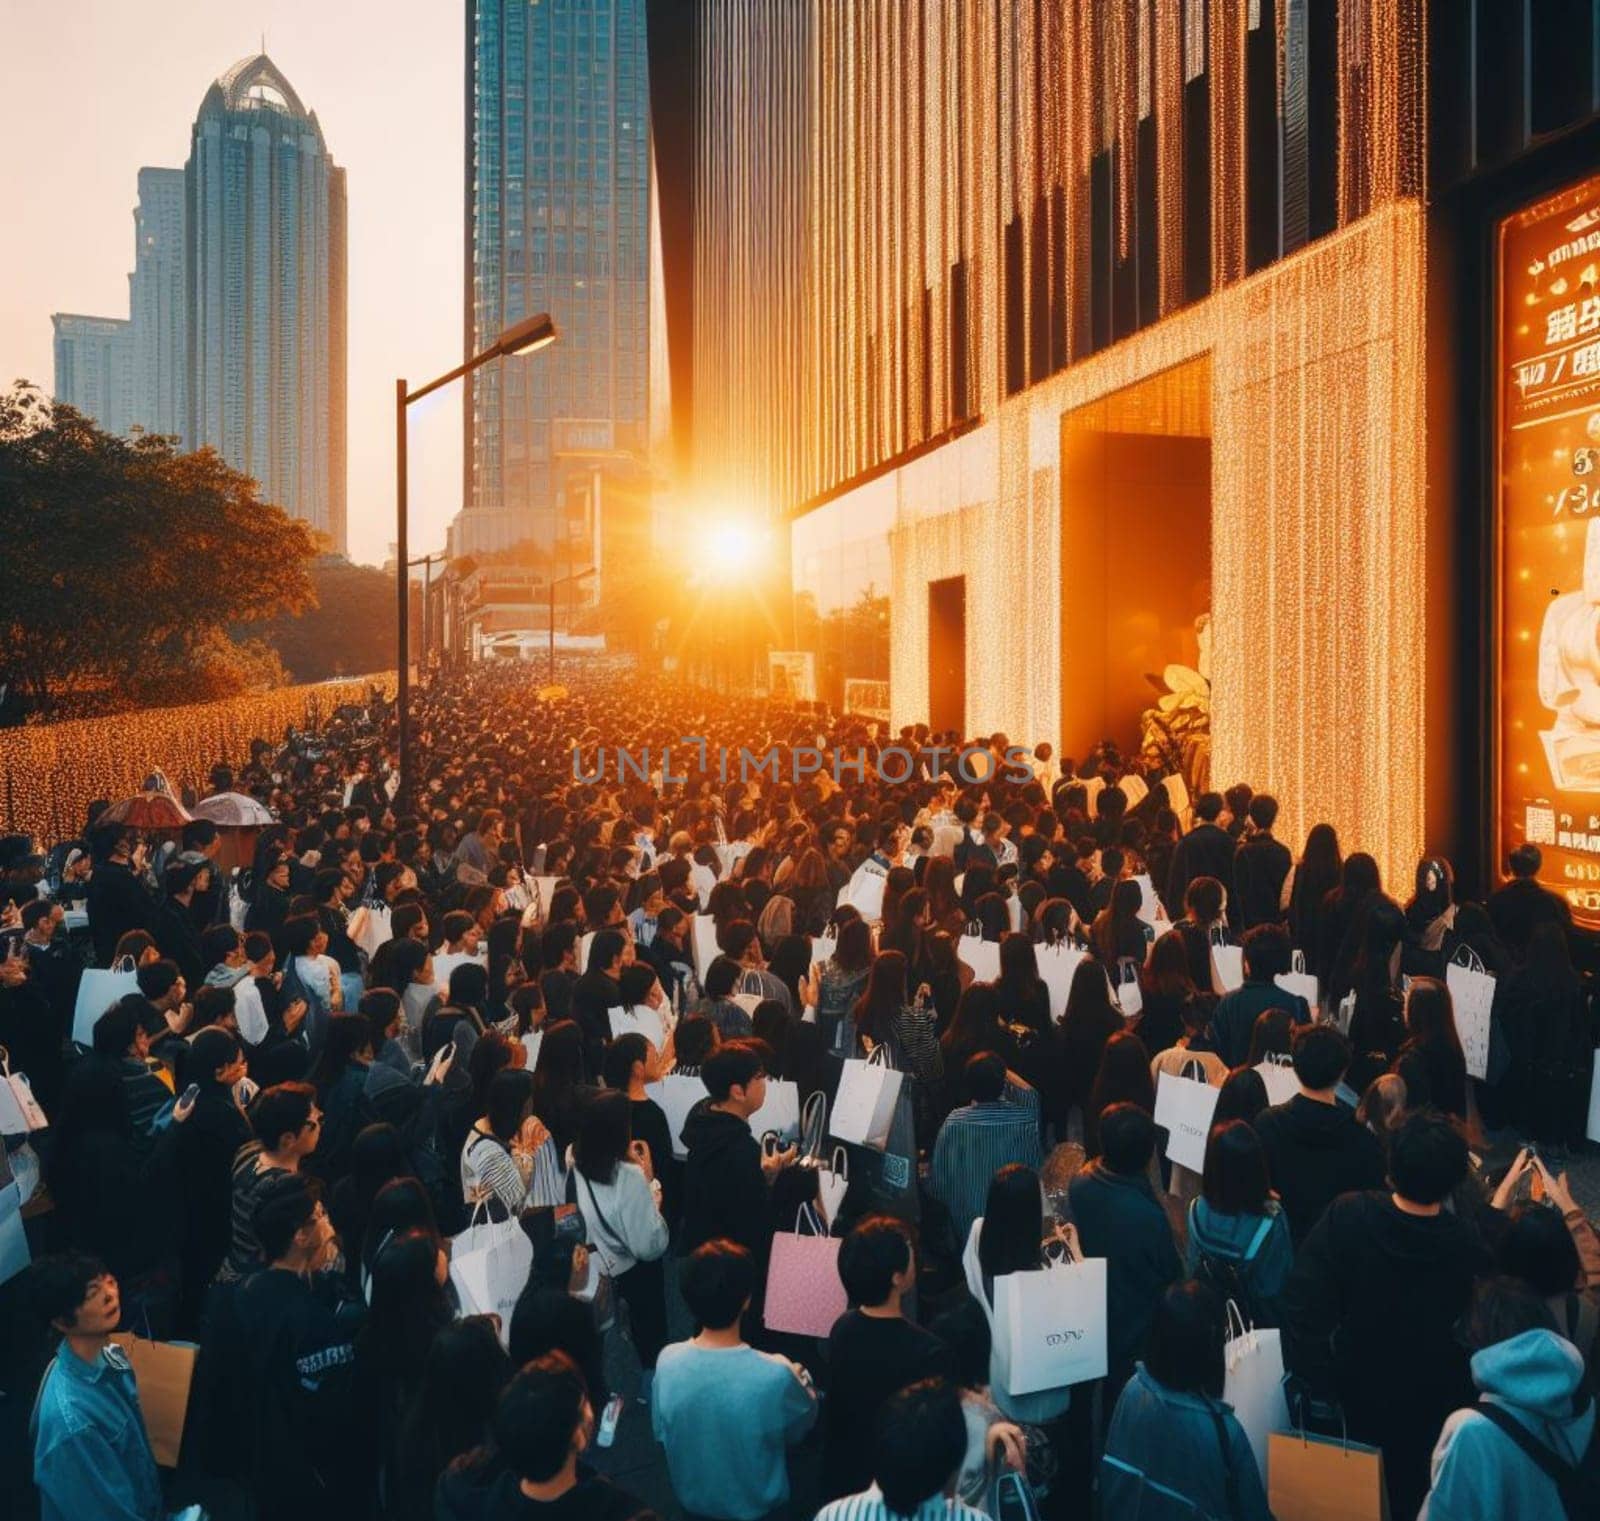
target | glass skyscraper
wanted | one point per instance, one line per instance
(156, 300)
(94, 368)
(265, 275)
(558, 218)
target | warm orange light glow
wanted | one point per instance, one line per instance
(732, 547)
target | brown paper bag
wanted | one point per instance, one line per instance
(164, 1371)
(1316, 1478)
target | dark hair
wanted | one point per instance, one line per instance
(401, 1205)
(537, 1415)
(406, 1303)
(1537, 1248)
(1503, 1308)
(1242, 1096)
(281, 1110)
(1123, 1077)
(210, 1049)
(114, 1031)
(1267, 951)
(734, 1064)
(636, 982)
(1127, 1138)
(921, 1441)
(297, 934)
(462, 1377)
(1208, 807)
(621, 1056)
(605, 948)
(985, 1077)
(1430, 1014)
(1263, 810)
(506, 1102)
(1427, 1157)
(343, 1036)
(1185, 1349)
(1321, 1057)
(1236, 1180)
(1525, 861)
(722, 977)
(381, 1007)
(694, 1040)
(1013, 1222)
(1203, 899)
(60, 1283)
(157, 978)
(878, 1247)
(605, 1126)
(218, 943)
(284, 1207)
(1271, 1035)
(717, 1281)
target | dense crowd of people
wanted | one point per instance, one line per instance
(472, 1128)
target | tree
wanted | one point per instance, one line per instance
(348, 632)
(126, 561)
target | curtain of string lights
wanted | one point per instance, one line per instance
(902, 234)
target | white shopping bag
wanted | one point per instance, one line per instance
(531, 1043)
(639, 1019)
(983, 956)
(863, 1108)
(238, 909)
(585, 940)
(369, 927)
(14, 1253)
(98, 990)
(447, 961)
(1227, 968)
(1184, 1106)
(833, 1183)
(677, 1095)
(489, 1266)
(1347, 1012)
(704, 944)
(1053, 1323)
(1277, 1075)
(1254, 1383)
(864, 891)
(249, 1012)
(1128, 993)
(1299, 980)
(780, 1113)
(20, 1113)
(1592, 1130)
(1134, 789)
(1058, 965)
(821, 949)
(1150, 909)
(1472, 994)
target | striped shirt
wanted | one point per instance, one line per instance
(975, 1142)
(869, 1505)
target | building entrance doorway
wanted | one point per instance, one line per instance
(947, 654)
(1135, 550)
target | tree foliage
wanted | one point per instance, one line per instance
(125, 562)
(348, 632)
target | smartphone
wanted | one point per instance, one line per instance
(190, 1094)
(608, 1422)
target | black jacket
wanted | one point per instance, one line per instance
(1315, 1152)
(207, 1143)
(1517, 909)
(1259, 870)
(117, 903)
(593, 995)
(724, 1192)
(174, 931)
(1206, 851)
(1369, 1316)
(488, 1491)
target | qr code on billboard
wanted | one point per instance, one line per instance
(1541, 827)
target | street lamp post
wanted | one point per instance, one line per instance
(577, 575)
(525, 337)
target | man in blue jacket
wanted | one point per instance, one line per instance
(1267, 954)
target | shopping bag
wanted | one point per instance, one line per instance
(1318, 1478)
(780, 1114)
(1185, 1106)
(863, 1108)
(1128, 994)
(1253, 1383)
(447, 961)
(864, 891)
(369, 927)
(1592, 1130)
(822, 949)
(1227, 967)
(833, 1183)
(14, 1253)
(20, 1113)
(1135, 789)
(704, 944)
(1299, 980)
(1277, 1075)
(983, 956)
(805, 1295)
(98, 990)
(1053, 1322)
(677, 1095)
(164, 1372)
(531, 1043)
(1346, 1013)
(1058, 965)
(639, 1019)
(489, 1266)
(1472, 996)
(1150, 910)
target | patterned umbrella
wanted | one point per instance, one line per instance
(153, 808)
(232, 810)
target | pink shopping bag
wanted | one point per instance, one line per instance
(804, 1293)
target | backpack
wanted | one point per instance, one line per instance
(1579, 1487)
(1232, 1277)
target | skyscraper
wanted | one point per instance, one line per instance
(558, 218)
(94, 368)
(156, 303)
(265, 293)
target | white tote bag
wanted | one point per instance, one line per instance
(98, 990)
(864, 891)
(639, 1019)
(1277, 1075)
(780, 1113)
(446, 962)
(983, 956)
(863, 1108)
(14, 1254)
(833, 1183)
(1185, 1106)
(1227, 967)
(1053, 1321)
(1128, 993)
(1254, 1383)
(1299, 980)
(1058, 965)
(1472, 994)
(1150, 910)
(489, 1266)
(1592, 1130)
(370, 927)
(1346, 1015)
(677, 1095)
(20, 1113)
(704, 944)
(821, 949)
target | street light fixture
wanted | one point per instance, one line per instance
(525, 337)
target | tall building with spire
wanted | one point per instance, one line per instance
(265, 293)
(156, 304)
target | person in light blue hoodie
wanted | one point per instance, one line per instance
(1529, 1378)
(725, 1413)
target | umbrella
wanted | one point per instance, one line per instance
(232, 810)
(153, 808)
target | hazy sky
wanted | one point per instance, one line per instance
(90, 90)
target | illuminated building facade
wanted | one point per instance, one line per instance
(1049, 329)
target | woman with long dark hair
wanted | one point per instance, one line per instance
(907, 1025)
(1024, 998)
(1430, 916)
(1124, 1077)
(841, 980)
(1377, 1025)
(1118, 933)
(561, 1081)
(1434, 1045)
(1238, 1232)
(340, 1078)
(944, 903)
(502, 1149)
(1337, 942)
(1168, 991)
(1545, 1014)
(1316, 874)
(1088, 1022)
